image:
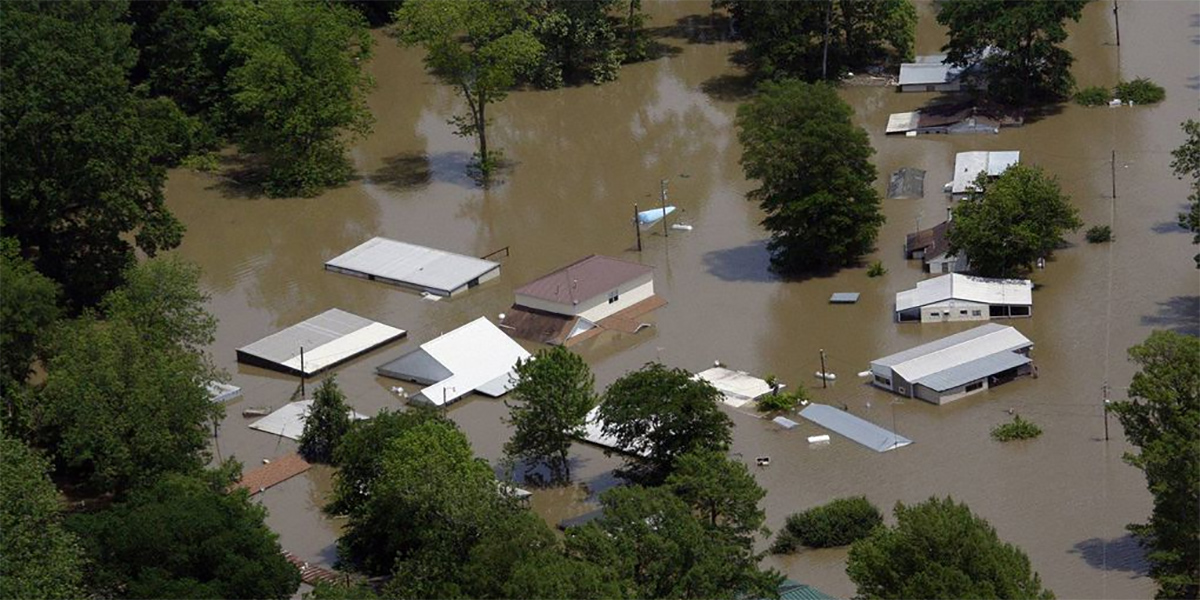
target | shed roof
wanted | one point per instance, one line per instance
(954, 350)
(738, 387)
(973, 371)
(956, 286)
(583, 280)
(329, 338)
(931, 71)
(593, 431)
(794, 590)
(859, 430)
(935, 240)
(903, 122)
(430, 269)
(288, 420)
(968, 166)
(222, 392)
(906, 183)
(844, 297)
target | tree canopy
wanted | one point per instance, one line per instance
(327, 422)
(554, 392)
(1017, 43)
(1187, 164)
(180, 538)
(28, 309)
(940, 549)
(40, 559)
(1162, 419)
(722, 491)
(1012, 221)
(815, 175)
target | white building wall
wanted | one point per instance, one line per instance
(597, 307)
(955, 310)
(950, 395)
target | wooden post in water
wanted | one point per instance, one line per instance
(663, 205)
(637, 227)
(1105, 411)
(824, 378)
(1117, 22)
(303, 393)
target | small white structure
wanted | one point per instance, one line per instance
(417, 267)
(930, 73)
(956, 366)
(968, 166)
(957, 297)
(288, 421)
(318, 343)
(736, 387)
(593, 432)
(222, 392)
(476, 357)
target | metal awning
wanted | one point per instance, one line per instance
(859, 430)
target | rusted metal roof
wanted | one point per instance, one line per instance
(279, 470)
(934, 240)
(585, 279)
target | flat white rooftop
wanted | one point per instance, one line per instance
(737, 387)
(956, 286)
(328, 339)
(968, 166)
(409, 265)
(859, 430)
(288, 421)
(474, 357)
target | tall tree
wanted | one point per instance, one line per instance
(298, 87)
(554, 392)
(580, 38)
(660, 414)
(1012, 221)
(815, 173)
(1017, 44)
(1162, 419)
(940, 549)
(479, 47)
(1187, 164)
(180, 538)
(660, 549)
(327, 422)
(28, 308)
(40, 559)
(721, 491)
(83, 172)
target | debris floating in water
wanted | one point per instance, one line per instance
(826, 376)
(681, 227)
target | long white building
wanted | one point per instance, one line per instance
(958, 297)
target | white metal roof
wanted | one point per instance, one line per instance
(738, 387)
(479, 356)
(859, 430)
(593, 431)
(968, 166)
(288, 421)
(903, 122)
(222, 392)
(327, 339)
(956, 286)
(928, 73)
(430, 269)
(952, 351)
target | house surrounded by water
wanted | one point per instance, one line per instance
(955, 366)
(932, 247)
(969, 165)
(958, 297)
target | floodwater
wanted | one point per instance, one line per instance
(582, 156)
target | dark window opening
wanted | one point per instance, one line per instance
(974, 386)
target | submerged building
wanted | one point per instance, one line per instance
(957, 297)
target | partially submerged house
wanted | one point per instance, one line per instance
(318, 343)
(931, 73)
(969, 165)
(595, 293)
(950, 119)
(476, 357)
(955, 366)
(957, 297)
(415, 267)
(737, 387)
(932, 247)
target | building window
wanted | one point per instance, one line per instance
(974, 386)
(976, 313)
(613, 296)
(902, 390)
(962, 312)
(1020, 311)
(935, 314)
(880, 379)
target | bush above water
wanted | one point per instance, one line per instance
(837, 523)
(1093, 96)
(1140, 91)
(1018, 429)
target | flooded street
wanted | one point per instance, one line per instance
(582, 156)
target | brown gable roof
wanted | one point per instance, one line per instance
(933, 240)
(584, 279)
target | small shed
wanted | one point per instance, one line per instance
(318, 343)
(737, 387)
(907, 183)
(476, 357)
(934, 73)
(415, 267)
(969, 165)
(859, 430)
(222, 392)
(844, 298)
(957, 297)
(956, 366)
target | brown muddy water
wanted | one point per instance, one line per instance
(582, 156)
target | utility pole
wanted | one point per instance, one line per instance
(824, 378)
(1117, 22)
(663, 204)
(637, 227)
(303, 393)
(1105, 388)
(1112, 167)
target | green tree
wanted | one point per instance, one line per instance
(40, 559)
(298, 88)
(815, 173)
(1162, 419)
(1017, 44)
(660, 414)
(480, 48)
(327, 422)
(554, 391)
(28, 308)
(579, 37)
(83, 166)
(1187, 164)
(656, 545)
(823, 40)
(339, 591)
(722, 492)
(839, 523)
(124, 399)
(1012, 221)
(181, 539)
(940, 549)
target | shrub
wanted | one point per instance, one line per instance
(1099, 234)
(1018, 429)
(1140, 91)
(781, 401)
(838, 523)
(1093, 96)
(876, 269)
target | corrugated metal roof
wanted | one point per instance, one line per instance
(956, 286)
(416, 366)
(934, 241)
(583, 280)
(952, 351)
(968, 166)
(844, 297)
(430, 269)
(793, 590)
(906, 183)
(902, 122)
(738, 387)
(928, 73)
(972, 371)
(859, 430)
(329, 338)
(288, 421)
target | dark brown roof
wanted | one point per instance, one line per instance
(582, 280)
(537, 325)
(933, 240)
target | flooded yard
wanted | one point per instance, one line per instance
(581, 157)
